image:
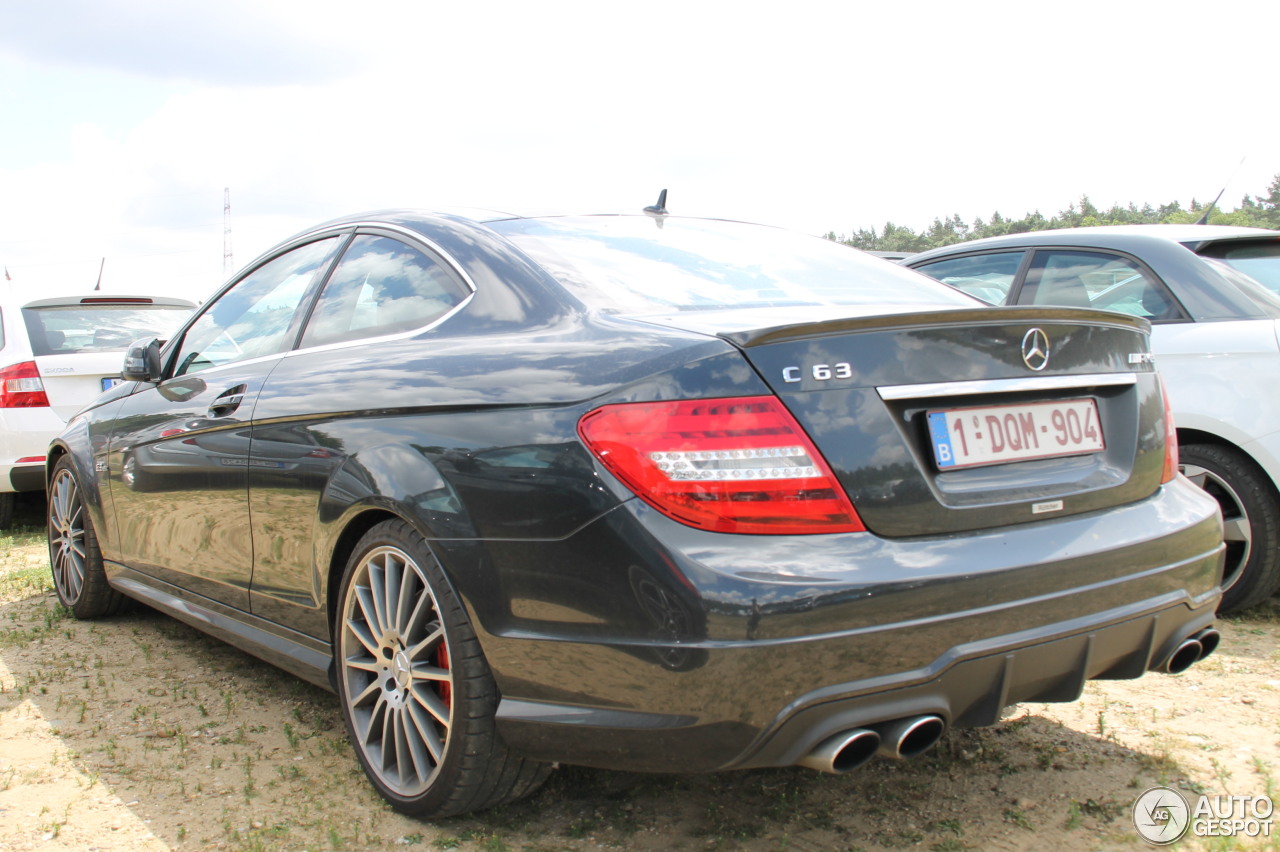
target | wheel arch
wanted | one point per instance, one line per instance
(56, 451)
(344, 545)
(1187, 437)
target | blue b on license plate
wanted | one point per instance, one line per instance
(109, 382)
(968, 437)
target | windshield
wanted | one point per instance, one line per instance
(639, 264)
(64, 329)
(1259, 260)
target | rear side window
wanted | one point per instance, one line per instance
(1086, 279)
(381, 286)
(98, 327)
(638, 264)
(988, 277)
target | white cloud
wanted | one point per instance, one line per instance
(127, 119)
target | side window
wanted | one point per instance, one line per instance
(1101, 280)
(985, 276)
(381, 286)
(254, 317)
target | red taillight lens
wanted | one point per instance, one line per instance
(1170, 439)
(21, 387)
(728, 465)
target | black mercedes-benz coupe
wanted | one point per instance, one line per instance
(641, 492)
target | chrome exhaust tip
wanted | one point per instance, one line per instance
(910, 737)
(1208, 639)
(1183, 658)
(844, 752)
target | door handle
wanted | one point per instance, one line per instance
(227, 402)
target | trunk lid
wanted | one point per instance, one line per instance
(864, 389)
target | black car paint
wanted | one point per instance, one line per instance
(579, 590)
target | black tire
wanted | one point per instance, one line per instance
(74, 558)
(1251, 520)
(419, 682)
(7, 502)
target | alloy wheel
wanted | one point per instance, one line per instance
(67, 536)
(398, 682)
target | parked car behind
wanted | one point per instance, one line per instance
(1210, 293)
(58, 354)
(640, 492)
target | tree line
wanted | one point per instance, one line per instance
(1262, 211)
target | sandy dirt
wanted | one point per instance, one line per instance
(138, 733)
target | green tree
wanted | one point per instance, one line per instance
(1262, 211)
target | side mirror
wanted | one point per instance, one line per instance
(142, 361)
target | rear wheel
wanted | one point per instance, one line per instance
(1250, 518)
(78, 576)
(7, 502)
(417, 696)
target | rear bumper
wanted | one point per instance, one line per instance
(22, 477)
(25, 433)
(758, 650)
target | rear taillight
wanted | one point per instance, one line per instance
(1170, 439)
(20, 387)
(739, 465)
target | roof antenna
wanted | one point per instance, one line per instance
(659, 209)
(1204, 220)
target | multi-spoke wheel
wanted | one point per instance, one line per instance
(417, 696)
(78, 577)
(1250, 520)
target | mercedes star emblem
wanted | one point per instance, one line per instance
(1035, 349)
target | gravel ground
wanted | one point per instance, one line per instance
(137, 732)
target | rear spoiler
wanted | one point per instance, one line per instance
(968, 317)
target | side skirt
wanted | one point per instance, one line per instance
(296, 653)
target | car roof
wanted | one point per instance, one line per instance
(109, 299)
(1171, 251)
(1109, 236)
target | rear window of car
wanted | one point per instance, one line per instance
(66, 329)
(636, 264)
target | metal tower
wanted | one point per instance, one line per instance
(227, 263)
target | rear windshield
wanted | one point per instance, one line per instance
(640, 264)
(1260, 260)
(63, 329)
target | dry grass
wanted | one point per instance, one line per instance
(137, 732)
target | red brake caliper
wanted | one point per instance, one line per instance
(442, 661)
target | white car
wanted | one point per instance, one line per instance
(56, 356)
(1211, 295)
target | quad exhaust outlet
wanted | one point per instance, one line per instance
(1190, 651)
(899, 739)
(912, 736)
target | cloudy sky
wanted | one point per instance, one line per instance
(123, 121)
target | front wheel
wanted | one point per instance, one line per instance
(78, 575)
(1250, 520)
(417, 696)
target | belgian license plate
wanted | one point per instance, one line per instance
(968, 437)
(111, 381)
